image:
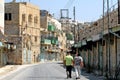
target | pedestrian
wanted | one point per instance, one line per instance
(68, 61)
(78, 64)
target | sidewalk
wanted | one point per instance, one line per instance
(91, 76)
(9, 69)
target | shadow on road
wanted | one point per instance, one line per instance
(88, 76)
(91, 76)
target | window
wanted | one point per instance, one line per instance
(35, 38)
(30, 18)
(23, 17)
(8, 16)
(36, 19)
(45, 47)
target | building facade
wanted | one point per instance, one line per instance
(51, 37)
(2, 37)
(99, 46)
(2, 16)
(22, 28)
(68, 28)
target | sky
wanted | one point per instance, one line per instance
(86, 10)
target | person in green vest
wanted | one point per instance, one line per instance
(68, 62)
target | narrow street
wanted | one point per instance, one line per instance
(46, 71)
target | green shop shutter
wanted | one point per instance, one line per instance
(54, 41)
(51, 28)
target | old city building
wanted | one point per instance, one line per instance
(2, 37)
(99, 45)
(22, 28)
(52, 37)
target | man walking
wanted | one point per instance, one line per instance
(69, 64)
(78, 64)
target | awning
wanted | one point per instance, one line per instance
(84, 42)
(75, 45)
(95, 37)
(79, 44)
(105, 32)
(89, 39)
(115, 29)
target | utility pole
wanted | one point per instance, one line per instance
(74, 13)
(102, 32)
(108, 73)
(74, 22)
(118, 11)
(109, 67)
(75, 37)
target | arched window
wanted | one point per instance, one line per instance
(30, 18)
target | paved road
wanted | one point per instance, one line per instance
(46, 71)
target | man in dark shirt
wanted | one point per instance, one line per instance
(78, 64)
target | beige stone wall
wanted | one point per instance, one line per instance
(95, 29)
(43, 21)
(97, 26)
(25, 23)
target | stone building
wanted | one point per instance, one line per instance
(99, 46)
(52, 38)
(2, 37)
(22, 28)
(67, 25)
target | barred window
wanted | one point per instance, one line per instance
(8, 16)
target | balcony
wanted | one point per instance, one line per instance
(51, 28)
(46, 41)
